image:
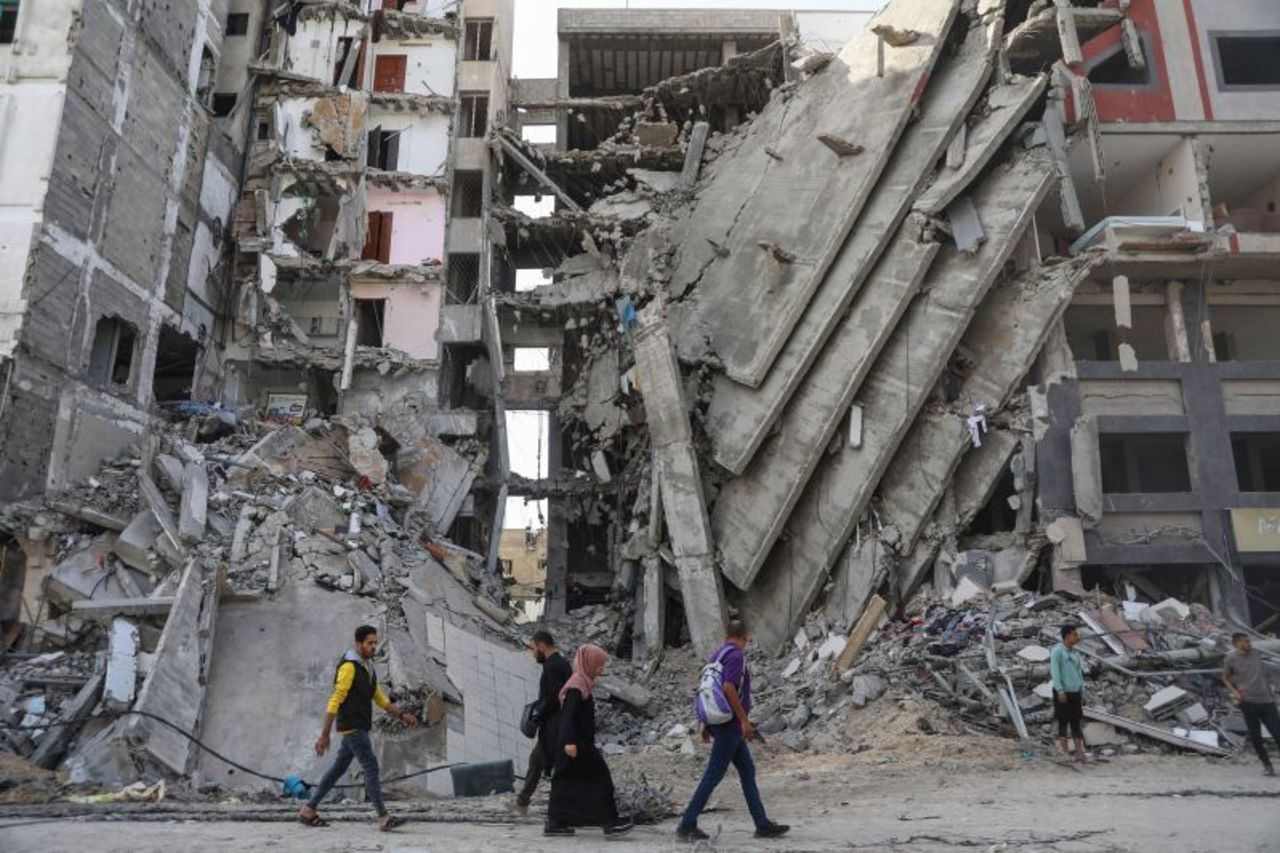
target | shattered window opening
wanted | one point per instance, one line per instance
(1245, 332)
(1113, 69)
(176, 358)
(384, 149)
(1246, 60)
(479, 41)
(531, 359)
(1144, 463)
(1093, 335)
(1257, 458)
(463, 277)
(344, 48)
(370, 317)
(468, 194)
(224, 103)
(111, 357)
(237, 24)
(473, 115)
(8, 20)
(264, 131)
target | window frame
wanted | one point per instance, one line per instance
(1215, 36)
(239, 18)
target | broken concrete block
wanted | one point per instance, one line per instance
(314, 509)
(1034, 654)
(870, 686)
(193, 512)
(1044, 690)
(831, 647)
(1171, 608)
(627, 692)
(135, 546)
(794, 740)
(438, 477)
(171, 471)
(1102, 734)
(792, 667)
(122, 665)
(1193, 715)
(85, 574)
(368, 574)
(1166, 703)
(362, 450)
(655, 134)
(966, 590)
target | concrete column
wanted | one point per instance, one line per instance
(557, 526)
(1175, 323)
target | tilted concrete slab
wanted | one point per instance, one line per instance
(972, 486)
(1006, 106)
(739, 417)
(891, 396)
(1001, 343)
(752, 509)
(175, 688)
(680, 480)
(771, 219)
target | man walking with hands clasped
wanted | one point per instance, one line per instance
(355, 691)
(729, 729)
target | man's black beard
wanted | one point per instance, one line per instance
(539, 657)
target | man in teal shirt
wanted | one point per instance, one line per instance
(1066, 669)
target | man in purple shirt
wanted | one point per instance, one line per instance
(729, 743)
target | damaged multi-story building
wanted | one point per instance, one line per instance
(973, 296)
(116, 182)
(811, 313)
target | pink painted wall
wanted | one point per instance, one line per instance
(412, 315)
(417, 223)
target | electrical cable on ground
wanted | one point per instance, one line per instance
(211, 751)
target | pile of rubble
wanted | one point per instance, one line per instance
(134, 563)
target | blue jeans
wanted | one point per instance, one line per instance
(728, 746)
(358, 746)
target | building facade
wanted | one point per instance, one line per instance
(116, 181)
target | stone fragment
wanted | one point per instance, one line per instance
(1034, 653)
(365, 457)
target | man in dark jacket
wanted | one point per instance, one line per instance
(355, 690)
(555, 672)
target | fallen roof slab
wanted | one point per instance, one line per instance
(892, 394)
(1006, 107)
(769, 223)
(974, 482)
(1001, 343)
(752, 509)
(739, 417)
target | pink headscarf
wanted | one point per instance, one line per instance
(588, 663)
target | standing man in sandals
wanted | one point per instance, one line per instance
(355, 690)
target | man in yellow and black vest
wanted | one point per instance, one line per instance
(355, 690)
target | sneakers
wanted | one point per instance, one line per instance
(691, 833)
(772, 830)
(519, 807)
(1268, 770)
(622, 827)
(553, 829)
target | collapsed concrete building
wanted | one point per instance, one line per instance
(899, 308)
(979, 298)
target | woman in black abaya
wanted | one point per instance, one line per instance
(581, 787)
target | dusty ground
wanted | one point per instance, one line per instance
(1021, 800)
